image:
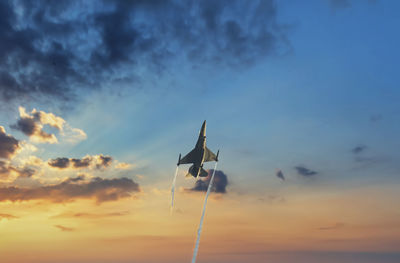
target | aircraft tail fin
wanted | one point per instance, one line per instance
(203, 173)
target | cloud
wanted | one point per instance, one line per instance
(9, 146)
(96, 161)
(219, 185)
(32, 161)
(64, 228)
(335, 226)
(103, 161)
(59, 162)
(81, 163)
(32, 125)
(6, 169)
(102, 190)
(359, 149)
(123, 166)
(375, 117)
(78, 46)
(91, 215)
(272, 199)
(303, 171)
(25, 172)
(73, 135)
(7, 216)
(280, 175)
(340, 4)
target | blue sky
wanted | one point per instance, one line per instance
(309, 104)
(282, 84)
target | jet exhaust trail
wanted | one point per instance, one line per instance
(196, 247)
(173, 188)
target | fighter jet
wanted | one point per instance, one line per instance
(199, 155)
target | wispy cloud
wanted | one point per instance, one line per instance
(359, 149)
(7, 216)
(303, 171)
(333, 227)
(64, 228)
(91, 215)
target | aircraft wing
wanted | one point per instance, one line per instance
(189, 158)
(209, 156)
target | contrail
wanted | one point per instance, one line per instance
(173, 189)
(196, 247)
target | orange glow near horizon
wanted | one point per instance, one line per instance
(142, 229)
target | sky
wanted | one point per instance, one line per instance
(99, 98)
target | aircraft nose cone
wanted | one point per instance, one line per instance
(203, 129)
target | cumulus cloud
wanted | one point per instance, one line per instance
(103, 161)
(7, 169)
(32, 125)
(219, 185)
(8, 144)
(79, 45)
(32, 161)
(81, 163)
(59, 162)
(96, 161)
(102, 190)
(303, 171)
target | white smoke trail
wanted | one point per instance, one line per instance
(196, 247)
(173, 188)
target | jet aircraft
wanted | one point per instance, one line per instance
(199, 155)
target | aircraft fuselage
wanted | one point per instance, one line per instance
(200, 146)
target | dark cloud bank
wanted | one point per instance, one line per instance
(54, 48)
(101, 190)
(219, 185)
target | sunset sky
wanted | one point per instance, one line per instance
(98, 98)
